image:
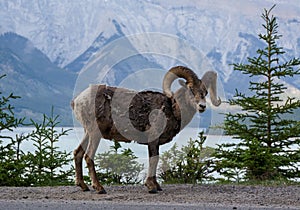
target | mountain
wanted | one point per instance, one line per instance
(113, 42)
(101, 41)
(132, 61)
(31, 75)
(64, 30)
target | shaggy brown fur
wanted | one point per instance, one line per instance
(147, 117)
(140, 107)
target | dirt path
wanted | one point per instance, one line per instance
(231, 196)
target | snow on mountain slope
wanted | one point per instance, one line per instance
(63, 30)
(133, 35)
(32, 76)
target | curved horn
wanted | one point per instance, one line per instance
(174, 73)
(210, 81)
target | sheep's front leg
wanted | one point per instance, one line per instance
(78, 156)
(151, 183)
(89, 158)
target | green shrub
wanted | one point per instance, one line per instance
(45, 165)
(47, 162)
(118, 168)
(190, 164)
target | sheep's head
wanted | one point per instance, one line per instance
(195, 89)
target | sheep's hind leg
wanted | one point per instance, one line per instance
(78, 156)
(89, 158)
(151, 182)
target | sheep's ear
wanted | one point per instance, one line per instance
(182, 83)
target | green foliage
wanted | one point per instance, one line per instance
(269, 142)
(118, 168)
(46, 163)
(12, 164)
(191, 164)
(8, 119)
(44, 166)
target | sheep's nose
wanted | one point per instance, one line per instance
(202, 106)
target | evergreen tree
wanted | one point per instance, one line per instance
(12, 165)
(268, 137)
(47, 162)
(7, 115)
(42, 167)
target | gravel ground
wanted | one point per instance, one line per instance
(137, 197)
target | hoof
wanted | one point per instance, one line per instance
(83, 187)
(102, 191)
(99, 189)
(153, 191)
(152, 185)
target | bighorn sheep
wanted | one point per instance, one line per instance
(147, 117)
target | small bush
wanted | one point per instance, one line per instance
(45, 165)
(190, 164)
(47, 162)
(118, 168)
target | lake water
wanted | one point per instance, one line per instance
(72, 140)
